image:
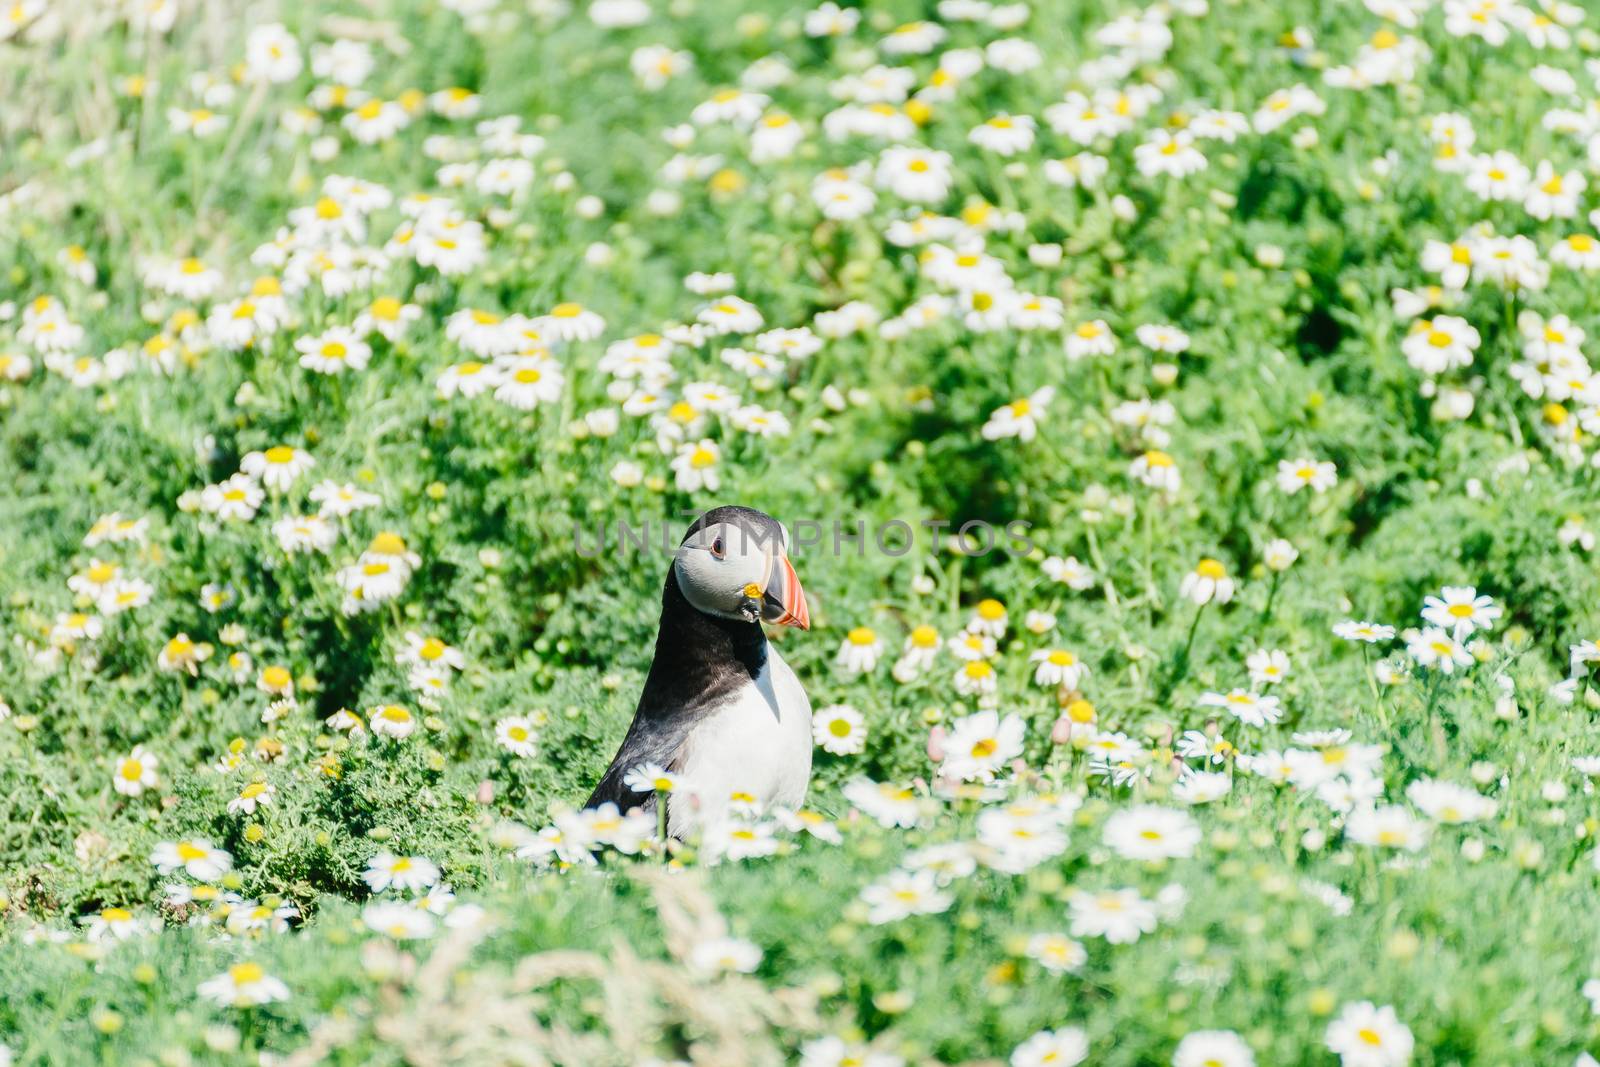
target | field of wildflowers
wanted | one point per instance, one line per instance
(1183, 411)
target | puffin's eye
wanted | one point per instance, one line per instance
(717, 548)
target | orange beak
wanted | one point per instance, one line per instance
(783, 602)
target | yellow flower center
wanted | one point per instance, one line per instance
(387, 544)
(246, 973)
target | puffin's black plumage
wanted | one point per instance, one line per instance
(699, 659)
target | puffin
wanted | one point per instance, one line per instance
(720, 708)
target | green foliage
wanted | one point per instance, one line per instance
(1279, 260)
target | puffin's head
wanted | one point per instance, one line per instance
(734, 563)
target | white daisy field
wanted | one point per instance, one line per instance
(1183, 419)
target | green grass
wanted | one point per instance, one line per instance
(1278, 260)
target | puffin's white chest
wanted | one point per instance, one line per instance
(758, 743)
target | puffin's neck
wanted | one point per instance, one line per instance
(699, 657)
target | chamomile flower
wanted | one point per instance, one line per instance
(1157, 470)
(392, 721)
(976, 678)
(902, 894)
(1168, 153)
(334, 351)
(1386, 827)
(1056, 952)
(235, 499)
(1461, 610)
(1019, 418)
(135, 772)
(1365, 1035)
(1445, 802)
(1058, 667)
(253, 796)
(839, 729)
(244, 985)
(522, 382)
(1252, 709)
(571, 322)
(115, 924)
(341, 501)
(1213, 1048)
(1267, 666)
(724, 955)
(181, 653)
(695, 466)
(1120, 916)
(859, 652)
(979, 745)
(1209, 581)
(1367, 632)
(277, 467)
(889, 805)
(1150, 832)
(1442, 343)
(1004, 135)
(516, 734)
(399, 920)
(1297, 474)
(197, 857)
(406, 873)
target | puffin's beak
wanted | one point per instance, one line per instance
(783, 601)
